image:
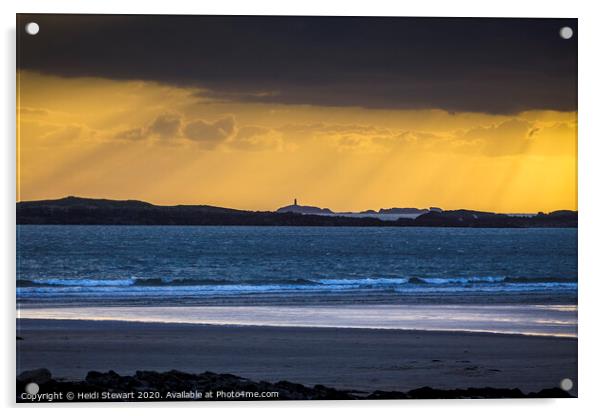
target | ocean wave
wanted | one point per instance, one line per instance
(74, 282)
(155, 288)
(457, 280)
(367, 281)
(537, 280)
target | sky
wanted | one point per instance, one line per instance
(345, 113)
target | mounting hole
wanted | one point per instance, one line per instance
(32, 28)
(32, 388)
(566, 32)
(566, 384)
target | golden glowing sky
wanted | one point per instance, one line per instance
(105, 138)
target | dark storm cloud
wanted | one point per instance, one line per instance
(484, 65)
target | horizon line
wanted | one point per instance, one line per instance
(295, 199)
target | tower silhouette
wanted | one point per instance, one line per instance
(295, 204)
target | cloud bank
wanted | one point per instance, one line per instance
(496, 66)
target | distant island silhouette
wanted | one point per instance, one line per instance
(88, 211)
(385, 214)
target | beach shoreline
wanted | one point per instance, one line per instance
(540, 320)
(343, 358)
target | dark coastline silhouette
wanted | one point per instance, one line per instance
(87, 211)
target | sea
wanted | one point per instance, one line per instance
(501, 280)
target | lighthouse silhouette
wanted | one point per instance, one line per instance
(295, 203)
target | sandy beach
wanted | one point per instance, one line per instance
(358, 359)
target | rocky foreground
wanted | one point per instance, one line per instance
(178, 386)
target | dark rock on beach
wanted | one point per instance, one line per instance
(39, 376)
(470, 393)
(177, 386)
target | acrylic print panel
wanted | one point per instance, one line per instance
(363, 208)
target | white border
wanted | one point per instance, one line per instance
(590, 135)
